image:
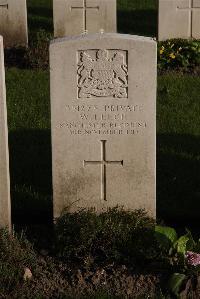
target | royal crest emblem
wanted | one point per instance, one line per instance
(102, 73)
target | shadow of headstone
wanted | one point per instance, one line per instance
(138, 22)
(178, 173)
(31, 183)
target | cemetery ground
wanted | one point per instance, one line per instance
(85, 252)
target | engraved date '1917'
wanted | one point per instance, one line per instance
(102, 73)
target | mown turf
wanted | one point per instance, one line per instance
(178, 143)
(29, 142)
(40, 15)
(28, 99)
(137, 17)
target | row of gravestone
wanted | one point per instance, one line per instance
(177, 19)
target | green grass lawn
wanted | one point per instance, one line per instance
(178, 128)
(178, 143)
(40, 15)
(137, 17)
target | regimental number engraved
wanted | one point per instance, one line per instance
(104, 163)
(102, 73)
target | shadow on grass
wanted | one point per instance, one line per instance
(40, 24)
(40, 18)
(178, 179)
(44, 12)
(139, 22)
(31, 177)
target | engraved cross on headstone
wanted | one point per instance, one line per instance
(103, 162)
(4, 4)
(84, 7)
(191, 9)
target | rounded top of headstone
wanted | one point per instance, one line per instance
(100, 36)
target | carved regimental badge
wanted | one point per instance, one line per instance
(102, 73)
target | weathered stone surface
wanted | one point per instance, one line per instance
(13, 22)
(179, 19)
(5, 213)
(73, 17)
(103, 105)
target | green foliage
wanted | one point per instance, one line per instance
(166, 236)
(175, 283)
(174, 250)
(16, 253)
(169, 241)
(177, 53)
(112, 236)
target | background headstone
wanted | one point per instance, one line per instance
(13, 22)
(179, 19)
(103, 105)
(5, 210)
(73, 17)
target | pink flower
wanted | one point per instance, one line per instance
(193, 258)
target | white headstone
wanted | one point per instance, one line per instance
(103, 105)
(5, 210)
(73, 17)
(179, 19)
(13, 22)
